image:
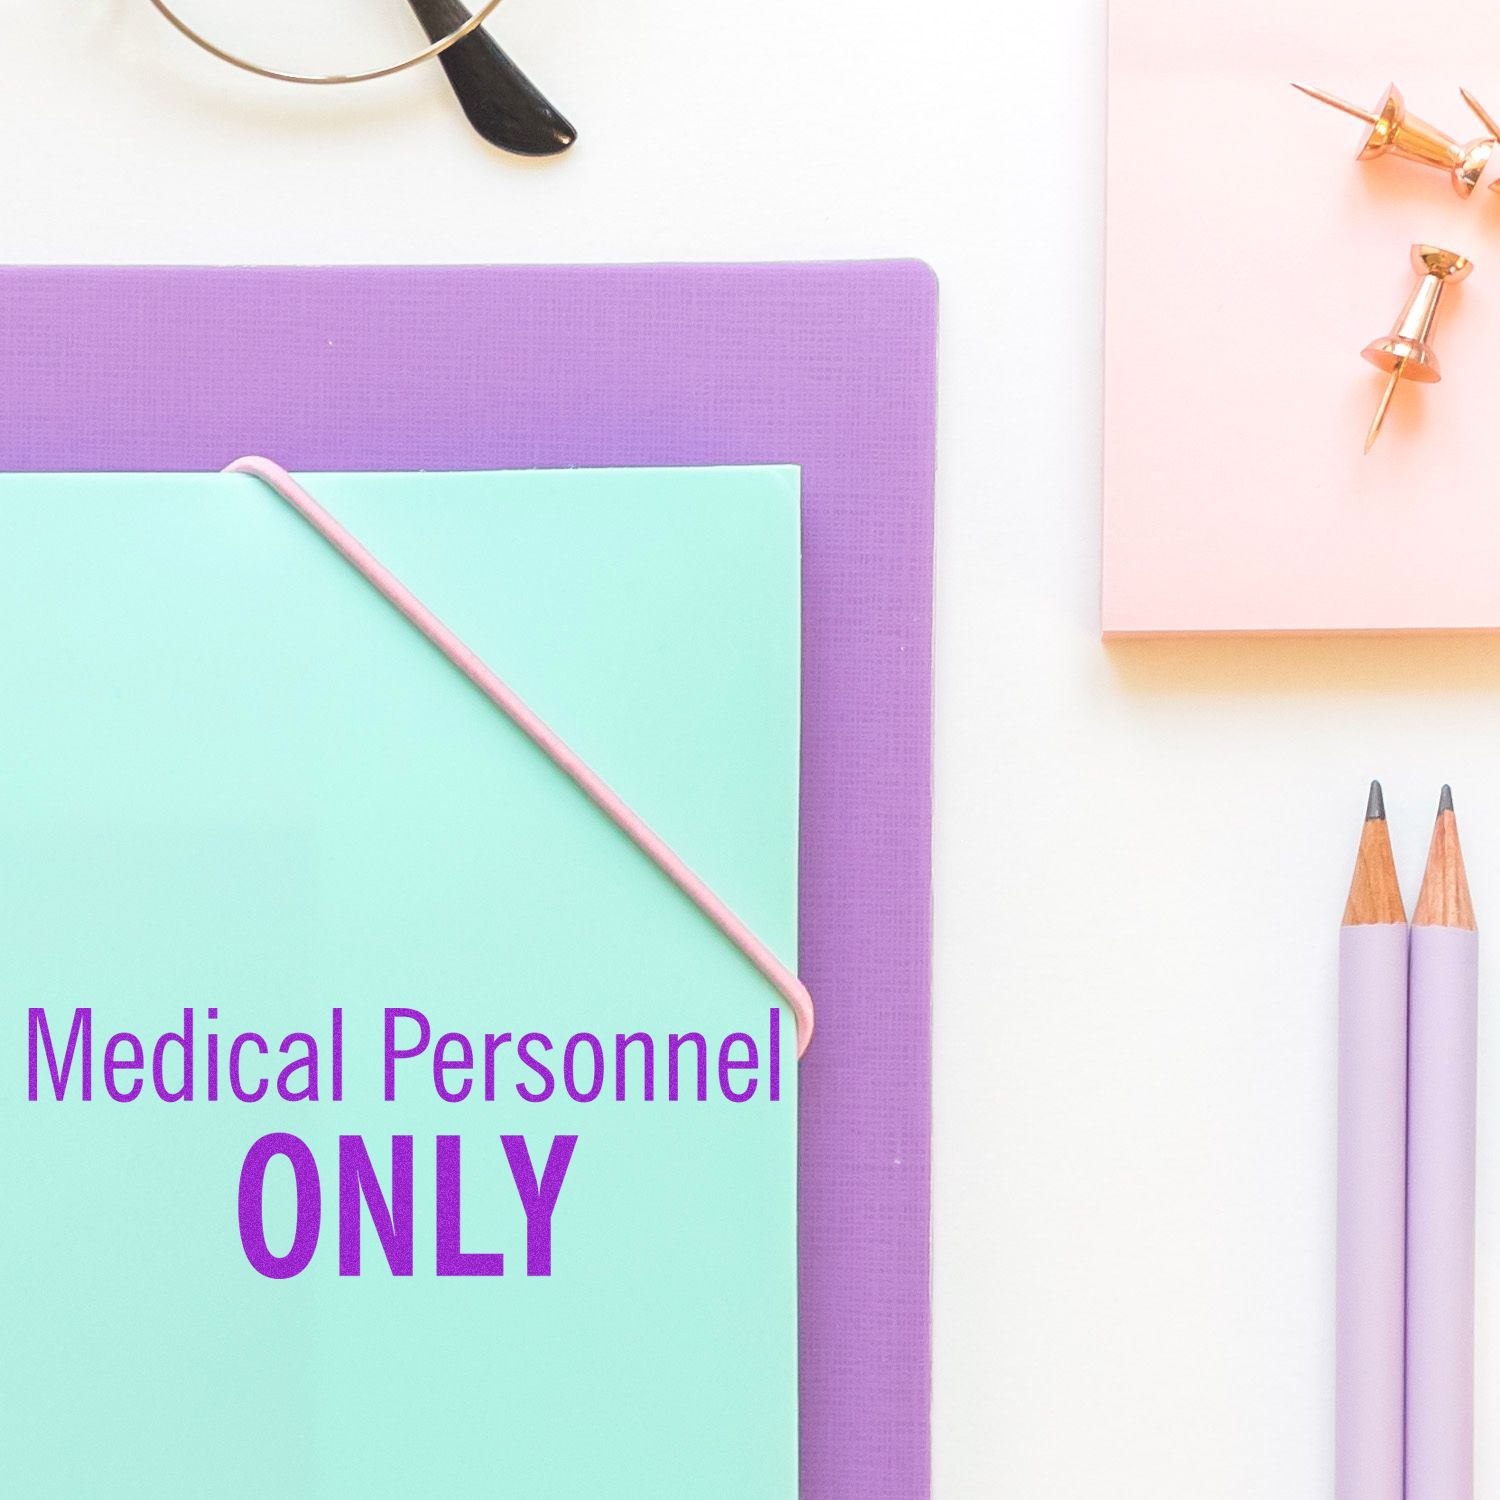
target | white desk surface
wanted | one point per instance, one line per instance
(1142, 852)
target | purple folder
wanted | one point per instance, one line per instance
(828, 366)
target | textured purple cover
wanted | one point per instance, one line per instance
(827, 366)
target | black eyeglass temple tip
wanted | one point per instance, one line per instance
(501, 102)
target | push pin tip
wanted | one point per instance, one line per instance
(1336, 103)
(1481, 113)
(1392, 381)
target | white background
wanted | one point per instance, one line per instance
(1142, 851)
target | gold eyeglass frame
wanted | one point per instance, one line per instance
(483, 11)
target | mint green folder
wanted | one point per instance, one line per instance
(235, 783)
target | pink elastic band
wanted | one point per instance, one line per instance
(782, 980)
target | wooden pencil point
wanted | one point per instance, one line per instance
(1444, 899)
(1375, 892)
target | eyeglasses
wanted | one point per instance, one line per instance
(357, 41)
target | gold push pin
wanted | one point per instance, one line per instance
(1394, 130)
(1406, 352)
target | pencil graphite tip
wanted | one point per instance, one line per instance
(1375, 808)
(1445, 801)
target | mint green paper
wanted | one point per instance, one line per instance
(231, 775)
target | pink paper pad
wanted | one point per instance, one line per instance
(1250, 260)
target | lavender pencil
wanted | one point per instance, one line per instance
(1372, 1173)
(1440, 1176)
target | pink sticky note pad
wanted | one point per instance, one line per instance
(1250, 260)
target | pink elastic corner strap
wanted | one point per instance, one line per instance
(782, 980)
